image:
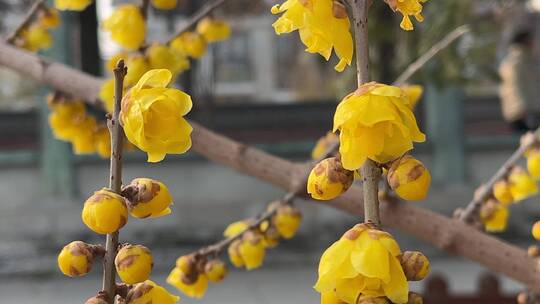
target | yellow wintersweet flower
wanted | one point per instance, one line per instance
(152, 116)
(164, 4)
(501, 191)
(287, 221)
(48, 18)
(413, 93)
(234, 254)
(127, 26)
(535, 231)
(36, 38)
(236, 228)
(64, 118)
(522, 185)
(409, 178)
(102, 141)
(191, 43)
(213, 30)
(328, 179)
(376, 122)
(494, 216)
(533, 163)
(76, 259)
(365, 261)
(84, 142)
(72, 5)
(408, 8)
(323, 26)
(323, 145)
(134, 264)
(137, 66)
(215, 270)
(252, 249)
(162, 57)
(148, 198)
(192, 286)
(104, 212)
(150, 292)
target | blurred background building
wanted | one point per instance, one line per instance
(263, 90)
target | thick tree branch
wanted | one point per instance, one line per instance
(448, 234)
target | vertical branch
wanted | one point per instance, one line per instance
(115, 178)
(371, 173)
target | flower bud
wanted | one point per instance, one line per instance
(236, 228)
(252, 249)
(271, 236)
(287, 220)
(329, 179)
(194, 287)
(150, 292)
(522, 185)
(415, 265)
(234, 254)
(215, 270)
(190, 43)
(105, 212)
(501, 191)
(415, 298)
(494, 216)
(213, 30)
(536, 231)
(147, 198)
(323, 145)
(134, 264)
(188, 266)
(409, 178)
(533, 163)
(533, 251)
(76, 259)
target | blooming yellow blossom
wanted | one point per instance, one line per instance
(215, 270)
(533, 163)
(72, 5)
(164, 4)
(127, 26)
(328, 179)
(494, 216)
(236, 228)
(522, 185)
(234, 254)
(36, 38)
(409, 178)
(376, 122)
(287, 221)
(76, 259)
(193, 287)
(213, 30)
(83, 142)
(536, 231)
(134, 264)
(413, 93)
(105, 212)
(152, 116)
(150, 292)
(191, 43)
(48, 18)
(102, 141)
(501, 191)
(163, 57)
(137, 66)
(323, 26)
(408, 8)
(252, 249)
(148, 198)
(323, 145)
(365, 261)
(64, 119)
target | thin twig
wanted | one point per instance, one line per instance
(204, 11)
(115, 178)
(36, 7)
(432, 52)
(485, 191)
(144, 7)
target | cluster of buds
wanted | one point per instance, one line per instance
(35, 35)
(247, 242)
(106, 212)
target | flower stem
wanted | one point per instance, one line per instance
(115, 178)
(371, 173)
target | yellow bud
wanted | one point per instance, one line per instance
(329, 179)
(536, 230)
(215, 270)
(127, 26)
(48, 18)
(188, 266)
(149, 292)
(323, 145)
(522, 185)
(164, 4)
(252, 249)
(415, 298)
(494, 216)
(76, 259)
(162, 57)
(72, 5)
(409, 178)
(533, 163)
(147, 198)
(501, 191)
(234, 254)
(236, 228)
(415, 265)
(213, 30)
(190, 43)
(271, 236)
(36, 38)
(287, 221)
(134, 264)
(105, 212)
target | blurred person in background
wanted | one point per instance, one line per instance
(520, 86)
